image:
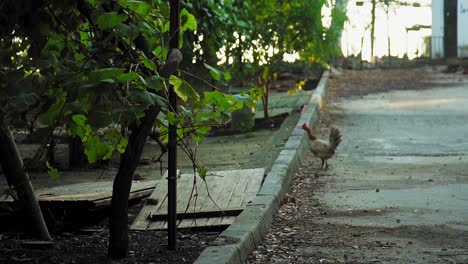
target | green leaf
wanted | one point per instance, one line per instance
(164, 134)
(171, 117)
(202, 172)
(105, 74)
(186, 112)
(147, 62)
(116, 139)
(155, 82)
(96, 149)
(80, 120)
(96, 83)
(129, 32)
(79, 127)
(266, 73)
(146, 98)
(227, 76)
(130, 76)
(184, 90)
(53, 172)
(54, 113)
(111, 19)
(188, 21)
(215, 73)
(122, 145)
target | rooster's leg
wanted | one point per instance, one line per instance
(323, 162)
(326, 164)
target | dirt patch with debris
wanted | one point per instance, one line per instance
(88, 244)
(361, 83)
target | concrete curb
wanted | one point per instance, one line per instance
(234, 245)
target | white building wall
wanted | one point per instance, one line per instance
(462, 23)
(437, 41)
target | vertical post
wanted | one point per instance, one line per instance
(172, 144)
(388, 33)
(373, 30)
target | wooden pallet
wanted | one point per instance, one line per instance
(227, 195)
(89, 195)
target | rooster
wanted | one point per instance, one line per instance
(322, 148)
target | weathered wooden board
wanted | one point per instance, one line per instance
(86, 195)
(199, 206)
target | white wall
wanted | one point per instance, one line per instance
(462, 38)
(437, 41)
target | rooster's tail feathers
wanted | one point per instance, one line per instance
(335, 137)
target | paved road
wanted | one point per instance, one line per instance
(402, 175)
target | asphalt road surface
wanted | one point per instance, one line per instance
(400, 181)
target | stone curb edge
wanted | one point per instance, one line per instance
(234, 245)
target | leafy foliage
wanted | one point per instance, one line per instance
(92, 66)
(252, 38)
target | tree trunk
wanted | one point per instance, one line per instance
(77, 158)
(337, 26)
(18, 178)
(118, 219)
(266, 99)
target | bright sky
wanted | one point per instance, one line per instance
(400, 17)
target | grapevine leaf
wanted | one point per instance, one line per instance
(184, 90)
(130, 76)
(147, 62)
(202, 172)
(189, 21)
(111, 19)
(215, 73)
(155, 82)
(105, 74)
(96, 149)
(146, 97)
(53, 172)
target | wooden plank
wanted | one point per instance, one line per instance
(141, 222)
(87, 195)
(224, 199)
(235, 187)
(198, 214)
(184, 200)
(185, 203)
(204, 200)
(87, 191)
(219, 179)
(156, 198)
(238, 194)
(184, 184)
(252, 188)
(132, 196)
(223, 194)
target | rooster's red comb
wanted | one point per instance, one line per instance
(304, 126)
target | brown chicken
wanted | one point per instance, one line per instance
(322, 148)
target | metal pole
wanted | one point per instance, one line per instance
(172, 144)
